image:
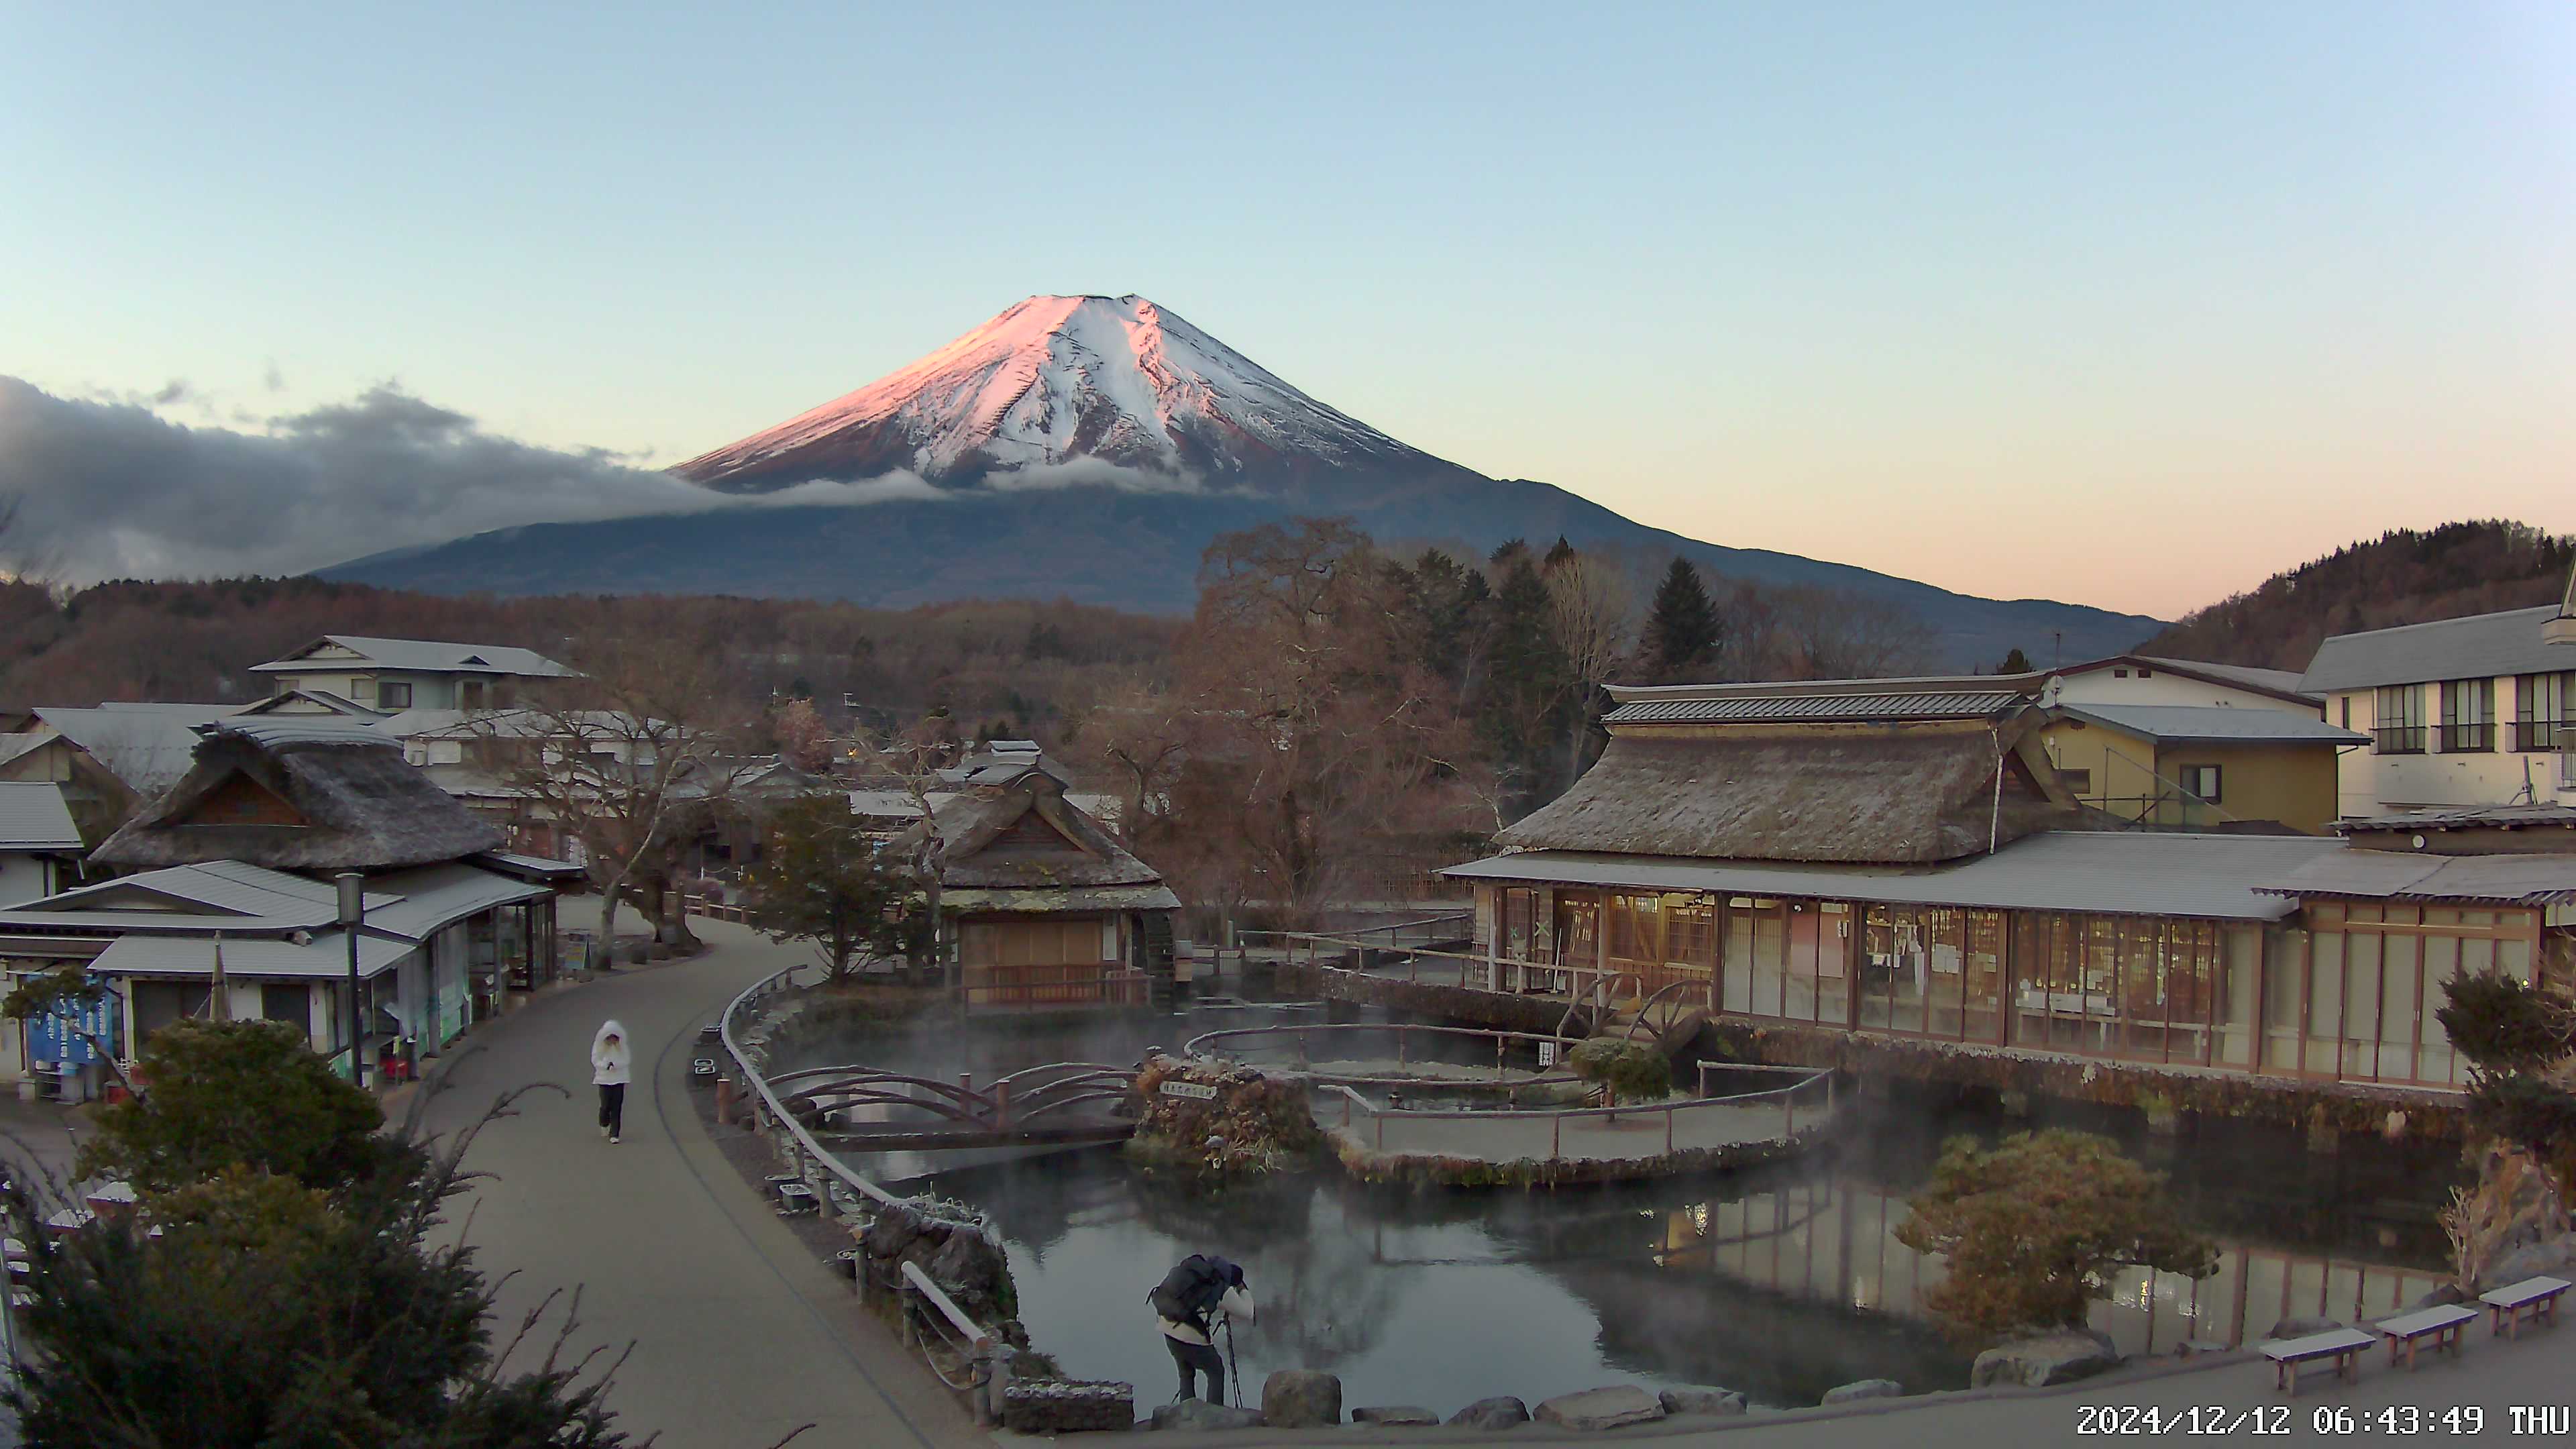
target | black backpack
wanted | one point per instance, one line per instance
(1192, 1288)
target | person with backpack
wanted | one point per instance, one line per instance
(1197, 1286)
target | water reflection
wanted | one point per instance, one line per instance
(1782, 1283)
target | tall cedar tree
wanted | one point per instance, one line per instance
(2014, 662)
(1683, 631)
(1524, 710)
(290, 1289)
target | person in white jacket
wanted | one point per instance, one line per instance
(610, 1059)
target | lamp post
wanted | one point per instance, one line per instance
(353, 912)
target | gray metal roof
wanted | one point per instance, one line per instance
(2142, 873)
(2279, 681)
(427, 656)
(2480, 646)
(2530, 880)
(147, 747)
(304, 729)
(1746, 709)
(439, 895)
(327, 958)
(248, 897)
(33, 817)
(2215, 723)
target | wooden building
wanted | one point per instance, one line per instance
(1040, 906)
(232, 906)
(1909, 865)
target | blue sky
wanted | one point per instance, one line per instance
(2130, 306)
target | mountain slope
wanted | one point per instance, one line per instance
(1089, 448)
(2404, 576)
(1058, 379)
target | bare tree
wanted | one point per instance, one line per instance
(635, 748)
(1594, 609)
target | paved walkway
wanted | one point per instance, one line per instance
(739, 1334)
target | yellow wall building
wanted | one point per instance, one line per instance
(2200, 768)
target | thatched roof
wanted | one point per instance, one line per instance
(1884, 794)
(1023, 835)
(306, 796)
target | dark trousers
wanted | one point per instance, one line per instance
(1194, 1359)
(612, 1108)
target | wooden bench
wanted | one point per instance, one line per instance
(2538, 1296)
(2441, 1323)
(2342, 1345)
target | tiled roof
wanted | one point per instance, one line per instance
(1757, 708)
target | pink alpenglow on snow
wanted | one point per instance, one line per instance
(1056, 381)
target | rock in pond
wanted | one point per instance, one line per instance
(1200, 1414)
(1614, 1407)
(2045, 1358)
(1500, 1412)
(1865, 1389)
(2531, 1260)
(1301, 1399)
(1395, 1416)
(1701, 1401)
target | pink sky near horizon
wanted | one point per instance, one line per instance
(2130, 308)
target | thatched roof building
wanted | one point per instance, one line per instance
(1908, 792)
(300, 794)
(1015, 843)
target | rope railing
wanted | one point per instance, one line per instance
(832, 1181)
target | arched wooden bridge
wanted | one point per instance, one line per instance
(870, 1109)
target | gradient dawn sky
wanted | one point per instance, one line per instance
(2129, 305)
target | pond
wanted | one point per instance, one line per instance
(1781, 1283)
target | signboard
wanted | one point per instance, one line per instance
(56, 1036)
(1546, 1055)
(1195, 1091)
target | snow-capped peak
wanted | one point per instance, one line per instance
(1053, 380)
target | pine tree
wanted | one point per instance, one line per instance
(2015, 663)
(1683, 631)
(1558, 552)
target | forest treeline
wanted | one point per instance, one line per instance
(2404, 576)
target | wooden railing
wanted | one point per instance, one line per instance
(1814, 1085)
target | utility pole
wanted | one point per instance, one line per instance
(353, 913)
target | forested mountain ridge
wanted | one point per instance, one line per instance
(2404, 576)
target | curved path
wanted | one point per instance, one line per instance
(739, 1334)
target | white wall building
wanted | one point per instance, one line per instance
(399, 674)
(2461, 712)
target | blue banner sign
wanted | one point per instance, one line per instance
(57, 1035)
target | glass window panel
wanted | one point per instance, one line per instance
(1806, 930)
(2236, 1016)
(2514, 959)
(2142, 987)
(2437, 1062)
(1833, 979)
(2402, 987)
(2361, 985)
(1981, 993)
(1945, 1002)
(1909, 982)
(2323, 1041)
(1770, 960)
(1738, 996)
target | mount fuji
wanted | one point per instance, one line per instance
(1090, 448)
